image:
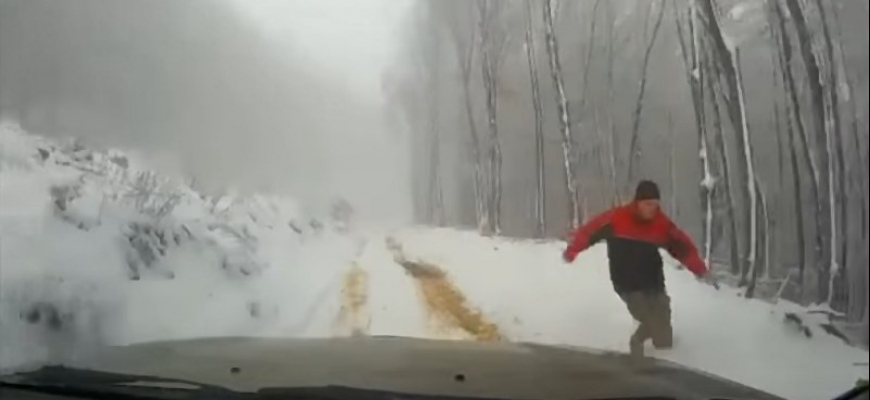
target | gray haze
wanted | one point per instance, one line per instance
(219, 92)
(324, 98)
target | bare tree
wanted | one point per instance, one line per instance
(634, 151)
(745, 149)
(800, 233)
(728, 62)
(860, 157)
(672, 174)
(611, 100)
(763, 242)
(837, 169)
(531, 54)
(777, 217)
(422, 101)
(815, 82)
(586, 69)
(492, 43)
(710, 71)
(607, 157)
(858, 292)
(695, 78)
(435, 212)
(786, 56)
(465, 37)
(590, 49)
(564, 112)
(866, 318)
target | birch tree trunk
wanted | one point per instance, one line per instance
(491, 49)
(492, 148)
(858, 263)
(863, 174)
(778, 197)
(695, 78)
(588, 60)
(611, 101)
(800, 231)
(786, 59)
(672, 174)
(792, 113)
(823, 146)
(608, 160)
(480, 205)
(866, 318)
(435, 211)
(728, 70)
(763, 242)
(837, 171)
(744, 141)
(564, 112)
(722, 149)
(634, 151)
(465, 54)
(531, 54)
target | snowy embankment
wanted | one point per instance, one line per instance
(95, 250)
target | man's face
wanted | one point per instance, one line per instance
(648, 209)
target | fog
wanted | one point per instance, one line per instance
(509, 120)
(275, 96)
(460, 113)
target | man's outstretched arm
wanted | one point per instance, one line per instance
(684, 250)
(588, 235)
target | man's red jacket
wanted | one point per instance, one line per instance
(633, 247)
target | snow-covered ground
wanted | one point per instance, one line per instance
(95, 250)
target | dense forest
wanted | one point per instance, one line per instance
(528, 117)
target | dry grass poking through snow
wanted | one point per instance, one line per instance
(444, 302)
(354, 297)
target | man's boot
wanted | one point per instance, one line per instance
(636, 347)
(639, 361)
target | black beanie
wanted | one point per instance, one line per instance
(647, 190)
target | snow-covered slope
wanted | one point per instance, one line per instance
(94, 250)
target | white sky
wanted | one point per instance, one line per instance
(349, 43)
(352, 40)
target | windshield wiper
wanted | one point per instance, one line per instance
(100, 385)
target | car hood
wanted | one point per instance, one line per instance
(404, 365)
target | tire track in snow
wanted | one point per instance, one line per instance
(444, 302)
(353, 314)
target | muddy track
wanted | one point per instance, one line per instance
(353, 314)
(445, 303)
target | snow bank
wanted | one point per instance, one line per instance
(94, 251)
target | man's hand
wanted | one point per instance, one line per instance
(568, 257)
(709, 278)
